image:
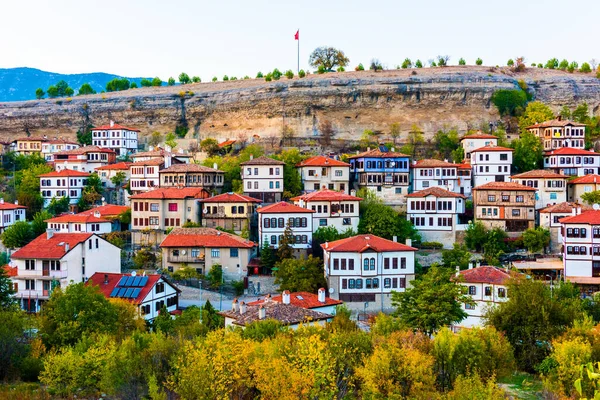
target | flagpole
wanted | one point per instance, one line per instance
(298, 50)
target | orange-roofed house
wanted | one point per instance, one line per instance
(69, 223)
(429, 173)
(550, 219)
(572, 162)
(155, 211)
(558, 133)
(84, 159)
(367, 268)
(311, 301)
(509, 206)
(435, 212)
(28, 145)
(115, 194)
(581, 248)
(274, 218)
(192, 175)
(10, 213)
(331, 208)
(121, 139)
(63, 183)
(475, 141)
(584, 184)
(322, 172)
(53, 146)
(230, 211)
(57, 259)
(201, 248)
(551, 188)
(491, 164)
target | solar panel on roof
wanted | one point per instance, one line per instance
(122, 281)
(136, 281)
(136, 293)
(128, 293)
(143, 281)
(122, 292)
(114, 292)
(129, 280)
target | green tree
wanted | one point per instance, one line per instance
(225, 78)
(509, 102)
(58, 206)
(446, 142)
(536, 239)
(28, 187)
(510, 62)
(214, 79)
(301, 74)
(39, 93)
(591, 197)
(291, 177)
(119, 179)
(475, 236)
(91, 193)
(184, 78)
(39, 224)
(395, 131)
(328, 58)
(536, 112)
(300, 275)
(210, 318)
(155, 139)
(118, 84)
(585, 68)
(259, 75)
(285, 249)
(171, 81)
(459, 256)
(268, 257)
(581, 114)
(565, 113)
(84, 135)
(156, 81)
(407, 63)
(144, 259)
(434, 301)
(563, 65)
(52, 92)
(327, 234)
(63, 89)
(359, 67)
(170, 140)
(383, 221)
(529, 152)
(215, 276)
(552, 63)
(7, 300)
(418, 64)
(479, 61)
(196, 79)
(17, 235)
(462, 61)
(289, 74)
(494, 246)
(276, 74)
(86, 88)
(146, 82)
(210, 146)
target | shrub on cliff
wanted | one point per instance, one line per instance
(156, 81)
(301, 74)
(118, 84)
(171, 81)
(214, 79)
(276, 74)
(289, 74)
(479, 61)
(585, 68)
(184, 78)
(359, 67)
(418, 64)
(462, 61)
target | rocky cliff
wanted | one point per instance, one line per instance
(432, 98)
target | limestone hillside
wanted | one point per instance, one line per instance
(432, 98)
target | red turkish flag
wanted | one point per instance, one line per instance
(297, 35)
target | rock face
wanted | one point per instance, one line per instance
(432, 98)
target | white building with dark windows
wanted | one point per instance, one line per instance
(367, 268)
(51, 147)
(121, 139)
(491, 164)
(431, 173)
(434, 213)
(550, 219)
(331, 208)
(572, 162)
(84, 159)
(322, 172)
(556, 134)
(10, 213)
(63, 183)
(477, 141)
(581, 247)
(262, 179)
(551, 188)
(273, 220)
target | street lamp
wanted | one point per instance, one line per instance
(551, 285)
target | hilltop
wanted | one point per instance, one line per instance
(432, 98)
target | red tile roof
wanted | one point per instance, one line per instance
(322, 161)
(432, 163)
(10, 271)
(503, 186)
(85, 150)
(591, 178)
(77, 218)
(565, 207)
(587, 217)
(263, 160)
(151, 161)
(120, 166)
(287, 314)
(108, 210)
(539, 173)
(230, 198)
(227, 143)
(376, 153)
(64, 173)
(464, 166)
(300, 299)
(99, 278)
(189, 168)
(204, 237)
(173, 193)
(436, 192)
(53, 248)
(10, 206)
(485, 274)
(283, 207)
(491, 148)
(555, 122)
(114, 127)
(360, 243)
(326, 195)
(570, 151)
(479, 136)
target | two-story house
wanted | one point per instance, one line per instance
(572, 162)
(153, 212)
(112, 213)
(509, 206)
(56, 259)
(487, 287)
(10, 213)
(77, 223)
(550, 219)
(434, 213)
(322, 172)
(367, 268)
(121, 139)
(203, 248)
(230, 211)
(28, 145)
(262, 178)
(51, 147)
(386, 173)
(192, 175)
(430, 173)
(551, 188)
(84, 159)
(144, 175)
(331, 208)
(557, 133)
(115, 194)
(581, 247)
(491, 164)
(584, 184)
(273, 220)
(170, 157)
(310, 301)
(476, 141)
(63, 183)
(149, 293)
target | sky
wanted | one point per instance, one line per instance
(146, 38)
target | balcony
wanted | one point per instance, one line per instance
(42, 274)
(185, 258)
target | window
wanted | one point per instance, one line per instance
(505, 197)
(160, 287)
(359, 283)
(173, 207)
(267, 223)
(273, 239)
(372, 266)
(366, 264)
(343, 264)
(351, 283)
(519, 199)
(469, 306)
(153, 220)
(154, 207)
(488, 290)
(503, 157)
(234, 252)
(386, 263)
(516, 213)
(344, 284)
(351, 264)
(387, 283)
(552, 196)
(323, 222)
(30, 265)
(215, 253)
(369, 284)
(338, 172)
(501, 292)
(491, 198)
(472, 290)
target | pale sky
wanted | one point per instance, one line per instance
(207, 38)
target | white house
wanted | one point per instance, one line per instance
(430, 173)
(71, 223)
(310, 301)
(121, 139)
(487, 287)
(550, 219)
(367, 268)
(331, 208)
(551, 188)
(581, 247)
(144, 175)
(557, 133)
(170, 157)
(491, 164)
(50, 147)
(572, 162)
(63, 183)
(55, 260)
(85, 159)
(434, 213)
(477, 141)
(262, 179)
(10, 213)
(147, 292)
(322, 172)
(273, 220)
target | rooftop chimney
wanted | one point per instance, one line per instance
(214, 165)
(252, 156)
(67, 247)
(395, 239)
(234, 305)
(353, 193)
(285, 296)
(408, 242)
(243, 308)
(457, 271)
(1, 201)
(97, 214)
(49, 233)
(321, 295)
(268, 298)
(112, 123)
(106, 279)
(262, 313)
(16, 202)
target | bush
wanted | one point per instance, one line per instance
(341, 69)
(479, 61)
(431, 245)
(225, 78)
(585, 68)
(418, 64)
(301, 74)
(276, 74)
(238, 287)
(214, 79)
(510, 102)
(289, 74)
(215, 276)
(462, 61)
(510, 62)
(259, 75)
(268, 77)
(359, 67)
(321, 70)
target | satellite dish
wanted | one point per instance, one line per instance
(331, 290)
(184, 252)
(205, 211)
(596, 206)
(133, 273)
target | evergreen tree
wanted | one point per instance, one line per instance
(285, 249)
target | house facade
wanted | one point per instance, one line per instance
(434, 213)
(367, 268)
(63, 183)
(289, 315)
(202, 248)
(584, 184)
(572, 162)
(331, 208)
(509, 206)
(550, 219)
(121, 139)
(10, 213)
(55, 260)
(273, 220)
(192, 175)
(322, 172)
(556, 134)
(51, 147)
(477, 141)
(144, 175)
(230, 211)
(262, 179)
(551, 188)
(76, 223)
(581, 247)
(28, 145)
(84, 159)
(430, 173)
(491, 164)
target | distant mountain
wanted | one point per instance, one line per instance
(20, 83)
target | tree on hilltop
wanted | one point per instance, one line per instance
(86, 88)
(39, 93)
(328, 58)
(184, 78)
